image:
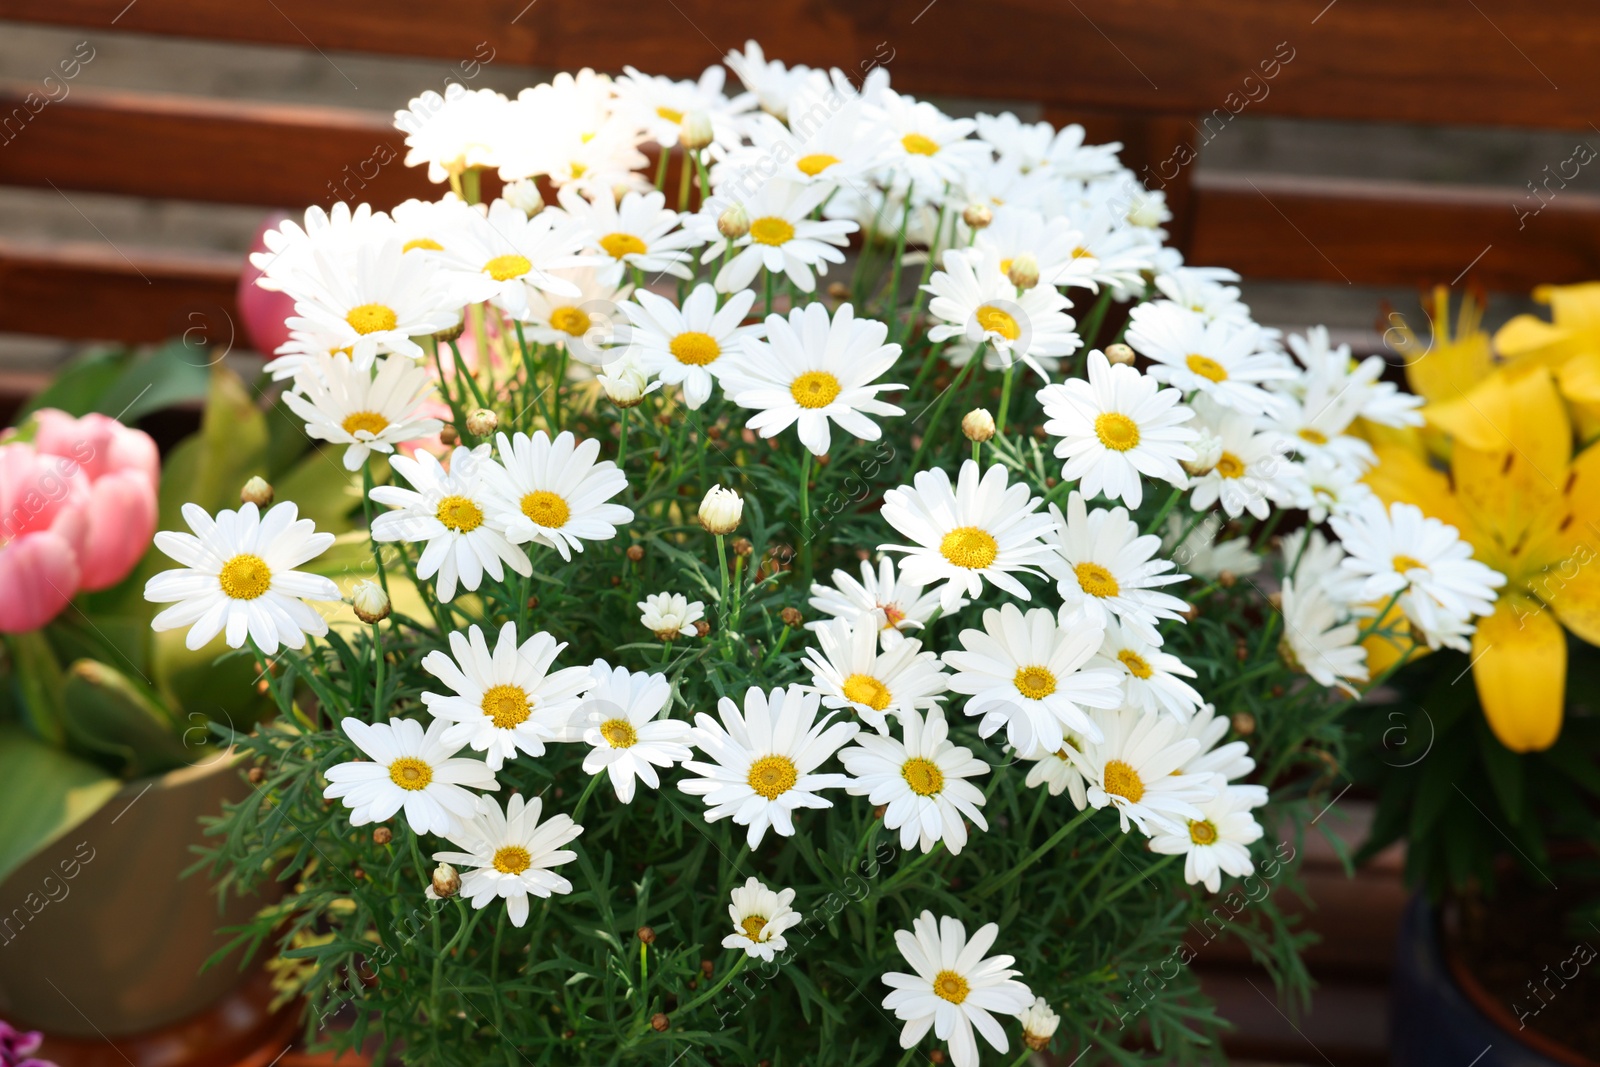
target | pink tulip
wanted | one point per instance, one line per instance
(264, 311)
(42, 533)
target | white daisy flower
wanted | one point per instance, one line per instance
(978, 303)
(1054, 245)
(1035, 145)
(424, 226)
(1137, 769)
(1315, 428)
(1039, 1024)
(1215, 844)
(1059, 773)
(921, 779)
(850, 672)
(1150, 677)
(1201, 289)
(760, 917)
(670, 615)
(373, 299)
(621, 719)
(765, 759)
(553, 492)
(238, 578)
(504, 701)
(783, 236)
(1323, 486)
(955, 988)
(367, 413)
(1031, 675)
(508, 855)
(585, 324)
(693, 346)
(450, 133)
(895, 603)
(1201, 554)
(1310, 557)
(302, 351)
(811, 371)
(1252, 473)
(1225, 762)
(1115, 427)
(639, 232)
(453, 512)
(1319, 638)
(1333, 372)
(770, 81)
(503, 254)
(410, 768)
(661, 104)
(1104, 567)
(1224, 360)
(1121, 254)
(929, 149)
(828, 139)
(336, 233)
(981, 528)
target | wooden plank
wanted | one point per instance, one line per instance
(1392, 233)
(96, 292)
(183, 147)
(1498, 62)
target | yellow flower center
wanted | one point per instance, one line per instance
(1096, 580)
(771, 230)
(694, 348)
(460, 514)
(1202, 831)
(997, 320)
(1082, 253)
(1122, 780)
(1314, 435)
(512, 859)
(369, 421)
(1402, 564)
(969, 547)
(814, 389)
(618, 245)
(427, 243)
(865, 689)
(669, 114)
(370, 318)
(752, 926)
(546, 509)
(1230, 465)
(815, 164)
(893, 616)
(772, 776)
(504, 268)
(1035, 683)
(507, 705)
(619, 733)
(918, 145)
(245, 577)
(1116, 431)
(1136, 664)
(948, 985)
(923, 776)
(570, 321)
(1207, 368)
(410, 773)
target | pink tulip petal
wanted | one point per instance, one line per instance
(39, 573)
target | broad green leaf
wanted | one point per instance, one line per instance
(162, 377)
(44, 793)
(109, 709)
(78, 387)
(38, 678)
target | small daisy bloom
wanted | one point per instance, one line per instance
(1252, 473)
(373, 299)
(640, 232)
(955, 988)
(1035, 145)
(585, 324)
(1227, 361)
(1225, 762)
(1150, 677)
(760, 917)
(1039, 1024)
(1030, 674)
(554, 493)
(765, 759)
(692, 346)
(1137, 769)
(895, 603)
(503, 701)
(1215, 844)
(1323, 486)
(1115, 427)
(504, 253)
(660, 104)
(409, 768)
(929, 149)
(831, 140)
(982, 528)
(367, 413)
(508, 855)
(769, 79)
(850, 672)
(238, 578)
(1319, 639)
(921, 779)
(453, 512)
(1059, 773)
(621, 718)
(337, 233)
(1104, 568)
(812, 371)
(783, 236)
(670, 615)
(302, 351)
(1201, 554)
(450, 133)
(976, 302)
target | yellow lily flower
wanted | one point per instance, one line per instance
(1569, 344)
(1532, 512)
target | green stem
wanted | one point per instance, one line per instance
(366, 507)
(943, 402)
(989, 885)
(805, 515)
(1172, 500)
(722, 570)
(714, 990)
(1090, 331)
(622, 439)
(377, 667)
(893, 297)
(1005, 399)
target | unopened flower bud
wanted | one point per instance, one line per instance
(1024, 272)
(702, 628)
(839, 290)
(636, 552)
(625, 384)
(791, 617)
(978, 425)
(1227, 579)
(695, 130)
(1119, 353)
(524, 195)
(256, 491)
(659, 1022)
(647, 934)
(257, 775)
(382, 835)
(721, 510)
(1038, 1024)
(446, 882)
(1148, 211)
(448, 437)
(482, 422)
(1207, 452)
(742, 547)
(977, 216)
(369, 602)
(734, 222)
(1244, 723)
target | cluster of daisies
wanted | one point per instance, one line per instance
(399, 314)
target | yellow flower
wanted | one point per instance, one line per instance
(1531, 510)
(1569, 345)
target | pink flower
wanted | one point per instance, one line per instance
(42, 532)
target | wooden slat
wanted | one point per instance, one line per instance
(1391, 233)
(148, 144)
(1501, 62)
(97, 292)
